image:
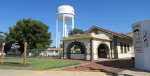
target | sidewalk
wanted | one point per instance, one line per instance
(48, 73)
(114, 67)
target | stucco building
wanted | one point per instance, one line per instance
(98, 43)
(52, 52)
(142, 44)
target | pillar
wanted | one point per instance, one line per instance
(88, 49)
(2, 53)
(118, 49)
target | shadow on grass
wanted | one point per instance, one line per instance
(118, 63)
(15, 64)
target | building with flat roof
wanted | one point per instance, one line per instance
(52, 52)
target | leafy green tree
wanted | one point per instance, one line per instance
(61, 45)
(76, 31)
(2, 37)
(34, 32)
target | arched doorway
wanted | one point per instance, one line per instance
(76, 50)
(103, 51)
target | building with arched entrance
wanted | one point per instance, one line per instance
(98, 43)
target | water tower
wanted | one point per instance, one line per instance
(64, 22)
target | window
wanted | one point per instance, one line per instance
(137, 34)
(56, 51)
(125, 48)
(121, 47)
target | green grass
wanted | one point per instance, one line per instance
(35, 64)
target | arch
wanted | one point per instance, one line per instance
(103, 51)
(71, 51)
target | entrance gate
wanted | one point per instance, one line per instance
(76, 50)
(103, 51)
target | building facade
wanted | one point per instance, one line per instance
(142, 44)
(98, 43)
(52, 52)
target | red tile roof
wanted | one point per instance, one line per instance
(108, 31)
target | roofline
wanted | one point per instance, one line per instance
(108, 31)
(140, 22)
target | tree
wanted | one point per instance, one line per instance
(76, 31)
(34, 32)
(2, 37)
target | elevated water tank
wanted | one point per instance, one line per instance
(65, 13)
(64, 22)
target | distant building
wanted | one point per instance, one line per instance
(98, 43)
(52, 52)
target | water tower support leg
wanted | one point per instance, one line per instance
(73, 23)
(57, 33)
(63, 25)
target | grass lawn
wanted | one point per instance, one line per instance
(35, 64)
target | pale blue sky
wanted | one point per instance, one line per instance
(115, 15)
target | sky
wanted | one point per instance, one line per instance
(114, 15)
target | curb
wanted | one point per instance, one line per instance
(71, 66)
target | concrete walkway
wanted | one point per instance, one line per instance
(48, 73)
(69, 73)
(135, 73)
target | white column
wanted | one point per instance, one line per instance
(57, 33)
(123, 49)
(127, 47)
(63, 26)
(73, 26)
(66, 30)
(118, 49)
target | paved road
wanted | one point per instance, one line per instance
(48, 73)
(68, 73)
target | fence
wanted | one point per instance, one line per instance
(45, 53)
(4, 57)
